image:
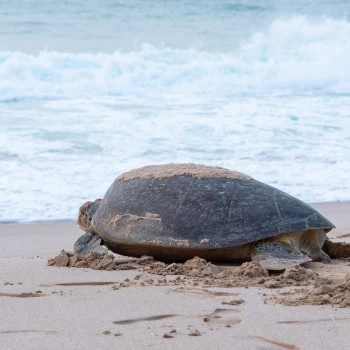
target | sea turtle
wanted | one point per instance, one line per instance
(174, 212)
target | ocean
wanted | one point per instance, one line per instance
(91, 89)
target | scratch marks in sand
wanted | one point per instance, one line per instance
(278, 343)
(72, 284)
(207, 291)
(143, 319)
(29, 331)
(22, 295)
(315, 321)
(218, 317)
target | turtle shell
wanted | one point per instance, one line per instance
(206, 209)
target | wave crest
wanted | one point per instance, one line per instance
(298, 55)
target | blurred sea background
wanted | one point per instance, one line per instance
(90, 89)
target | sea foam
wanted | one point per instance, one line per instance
(292, 56)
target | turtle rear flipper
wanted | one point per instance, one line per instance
(274, 255)
(87, 243)
(311, 243)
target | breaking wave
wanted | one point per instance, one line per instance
(298, 55)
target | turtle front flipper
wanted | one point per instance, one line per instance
(276, 255)
(87, 243)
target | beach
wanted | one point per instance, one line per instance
(50, 307)
(91, 90)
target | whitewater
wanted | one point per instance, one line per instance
(274, 104)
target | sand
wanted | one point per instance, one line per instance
(142, 303)
(165, 171)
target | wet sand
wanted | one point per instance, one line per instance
(53, 307)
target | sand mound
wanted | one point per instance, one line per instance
(199, 273)
(326, 292)
(93, 261)
(165, 171)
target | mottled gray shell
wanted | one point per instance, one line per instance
(197, 212)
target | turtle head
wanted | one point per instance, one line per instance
(86, 212)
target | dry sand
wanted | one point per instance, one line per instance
(49, 307)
